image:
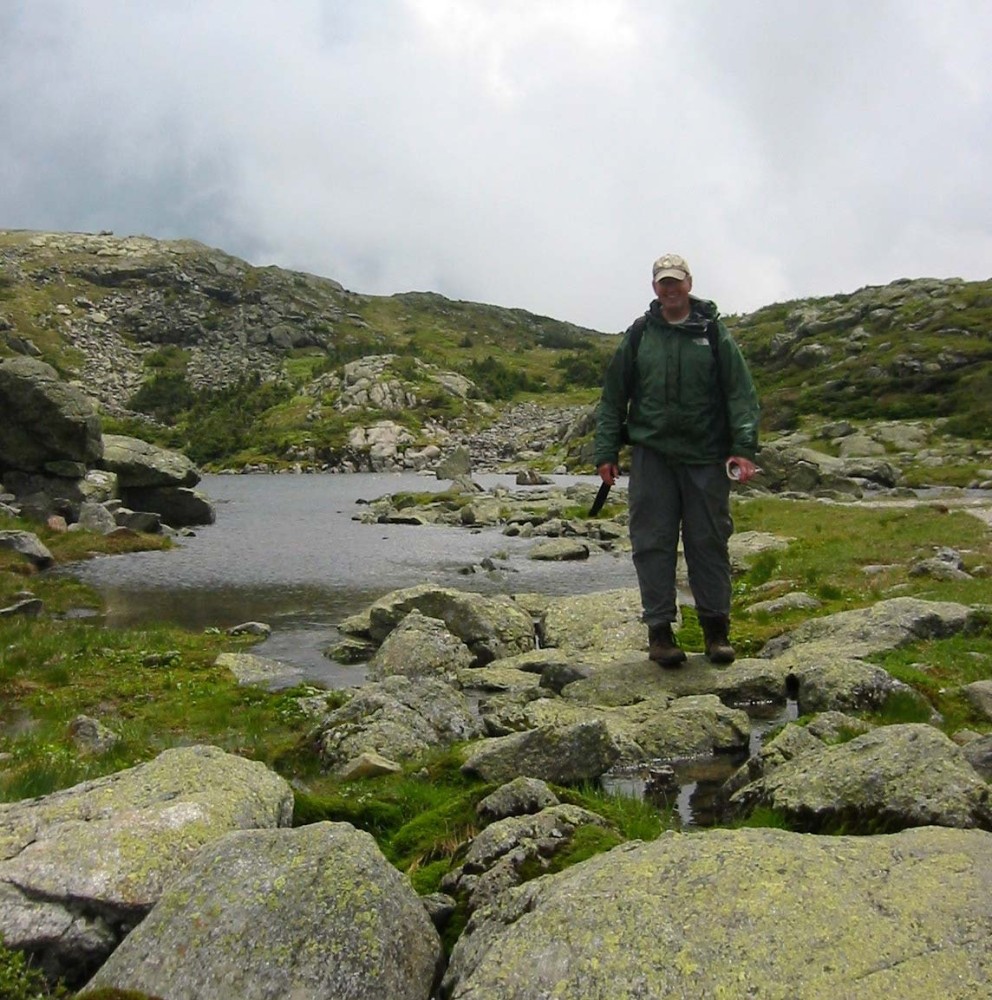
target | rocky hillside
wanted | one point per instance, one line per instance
(243, 365)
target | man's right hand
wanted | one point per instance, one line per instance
(609, 472)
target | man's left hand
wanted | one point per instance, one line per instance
(745, 466)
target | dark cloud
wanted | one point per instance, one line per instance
(533, 154)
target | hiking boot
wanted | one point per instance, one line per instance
(715, 629)
(662, 647)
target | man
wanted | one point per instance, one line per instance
(681, 390)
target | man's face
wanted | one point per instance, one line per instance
(673, 295)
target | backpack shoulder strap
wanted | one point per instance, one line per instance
(637, 329)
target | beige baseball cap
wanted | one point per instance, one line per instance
(671, 265)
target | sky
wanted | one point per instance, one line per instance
(537, 154)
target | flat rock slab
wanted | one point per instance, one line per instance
(744, 913)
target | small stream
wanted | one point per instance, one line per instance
(691, 784)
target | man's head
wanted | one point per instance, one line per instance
(672, 282)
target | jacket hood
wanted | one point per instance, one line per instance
(701, 311)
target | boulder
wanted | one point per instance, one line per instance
(559, 550)
(891, 778)
(178, 506)
(456, 463)
(45, 419)
(979, 696)
(29, 545)
(419, 647)
(492, 627)
(743, 913)
(606, 621)
(880, 627)
(397, 718)
(519, 797)
(563, 755)
(259, 671)
(655, 727)
(96, 518)
(81, 867)
(509, 850)
(314, 912)
(137, 463)
(40, 495)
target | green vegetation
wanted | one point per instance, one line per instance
(498, 380)
(912, 350)
(20, 980)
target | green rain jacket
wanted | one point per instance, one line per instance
(672, 396)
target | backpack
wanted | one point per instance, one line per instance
(636, 333)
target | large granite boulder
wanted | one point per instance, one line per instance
(491, 627)
(315, 912)
(138, 463)
(45, 419)
(419, 646)
(81, 867)
(877, 628)
(567, 754)
(888, 779)
(744, 913)
(609, 620)
(178, 506)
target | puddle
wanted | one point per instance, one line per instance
(692, 783)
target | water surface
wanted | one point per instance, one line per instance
(286, 550)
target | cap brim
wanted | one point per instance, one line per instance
(671, 272)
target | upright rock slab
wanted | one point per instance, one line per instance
(45, 420)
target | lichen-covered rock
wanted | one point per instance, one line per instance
(492, 627)
(743, 913)
(519, 797)
(420, 646)
(608, 620)
(891, 778)
(315, 912)
(80, 867)
(564, 755)
(139, 463)
(874, 629)
(397, 718)
(833, 682)
(659, 726)
(512, 849)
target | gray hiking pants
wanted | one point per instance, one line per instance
(668, 497)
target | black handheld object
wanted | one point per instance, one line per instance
(597, 504)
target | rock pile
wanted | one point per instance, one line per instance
(55, 462)
(232, 899)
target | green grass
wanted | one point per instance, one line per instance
(834, 543)
(155, 688)
(939, 668)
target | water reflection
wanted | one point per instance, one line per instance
(690, 786)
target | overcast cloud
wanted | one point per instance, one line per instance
(531, 153)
